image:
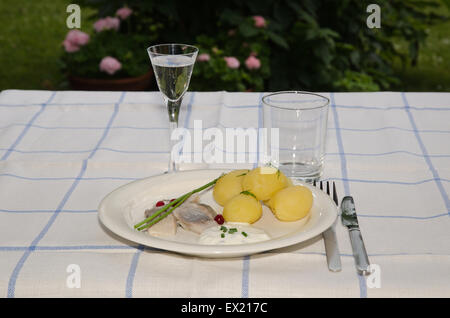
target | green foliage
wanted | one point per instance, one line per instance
(318, 45)
(241, 41)
(331, 47)
(354, 82)
(126, 49)
(431, 72)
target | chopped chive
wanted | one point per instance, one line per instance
(243, 174)
(223, 229)
(245, 234)
(222, 235)
(248, 193)
(233, 230)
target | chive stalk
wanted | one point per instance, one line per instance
(159, 215)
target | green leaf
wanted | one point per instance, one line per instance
(247, 30)
(278, 40)
(231, 17)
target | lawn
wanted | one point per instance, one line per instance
(431, 73)
(30, 43)
(32, 33)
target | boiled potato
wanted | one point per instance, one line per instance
(243, 208)
(269, 201)
(228, 186)
(292, 203)
(264, 181)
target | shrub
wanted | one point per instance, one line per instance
(304, 44)
(112, 39)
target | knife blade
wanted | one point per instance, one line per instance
(331, 245)
(350, 220)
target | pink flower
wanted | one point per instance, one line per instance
(70, 47)
(112, 23)
(74, 39)
(107, 23)
(203, 57)
(124, 13)
(232, 62)
(252, 63)
(110, 65)
(260, 22)
(77, 37)
(99, 25)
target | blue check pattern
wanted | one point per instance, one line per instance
(62, 152)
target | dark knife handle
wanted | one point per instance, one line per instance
(359, 252)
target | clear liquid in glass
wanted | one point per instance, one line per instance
(173, 74)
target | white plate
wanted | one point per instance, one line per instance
(125, 206)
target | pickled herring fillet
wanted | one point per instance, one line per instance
(195, 217)
(165, 227)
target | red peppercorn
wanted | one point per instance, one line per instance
(219, 219)
(160, 203)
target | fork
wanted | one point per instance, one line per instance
(329, 236)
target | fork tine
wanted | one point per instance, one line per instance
(335, 197)
(321, 185)
(328, 187)
(314, 182)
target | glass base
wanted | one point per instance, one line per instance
(302, 172)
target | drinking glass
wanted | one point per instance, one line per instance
(172, 66)
(301, 119)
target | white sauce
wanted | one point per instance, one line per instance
(213, 235)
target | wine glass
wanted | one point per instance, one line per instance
(172, 66)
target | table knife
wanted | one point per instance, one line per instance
(350, 220)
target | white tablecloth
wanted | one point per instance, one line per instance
(62, 152)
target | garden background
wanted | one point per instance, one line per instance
(303, 45)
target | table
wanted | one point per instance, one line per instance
(62, 152)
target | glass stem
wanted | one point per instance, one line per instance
(173, 109)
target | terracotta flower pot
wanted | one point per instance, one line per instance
(140, 83)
